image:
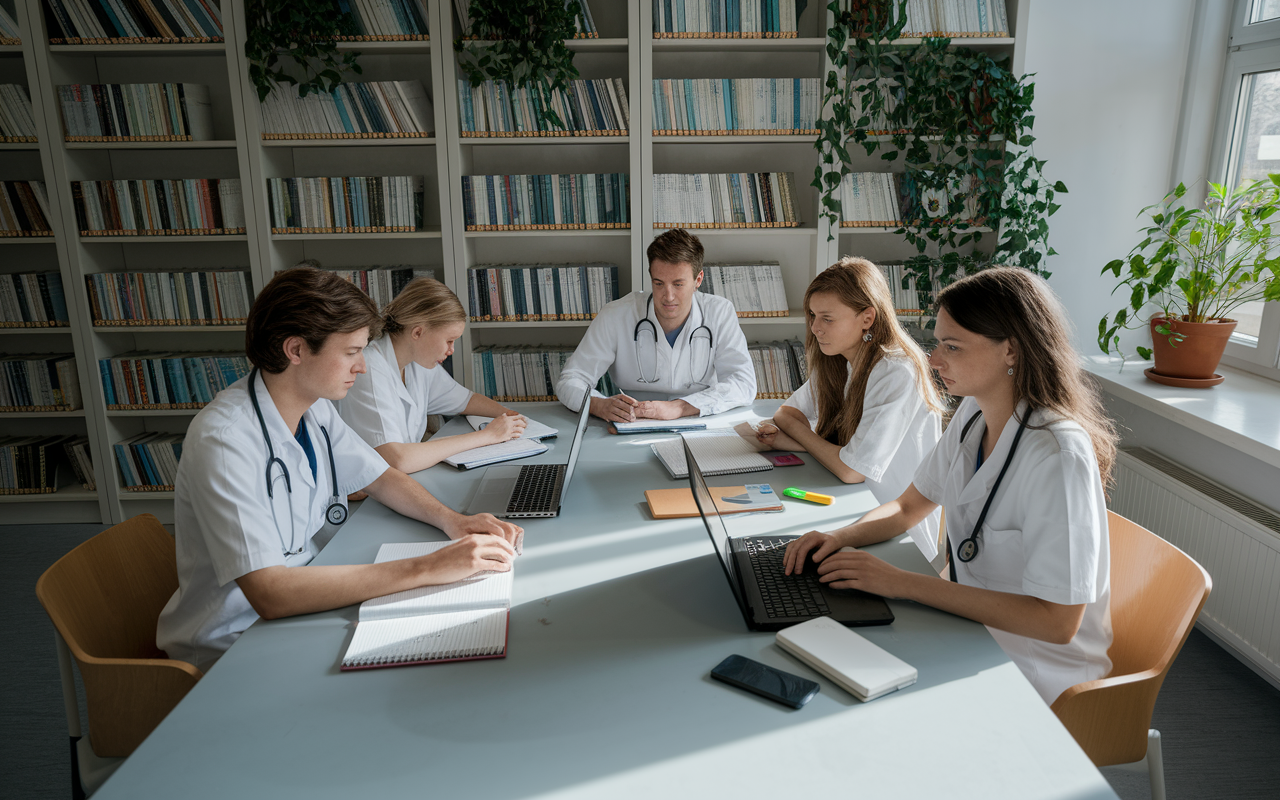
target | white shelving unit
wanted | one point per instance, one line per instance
(625, 50)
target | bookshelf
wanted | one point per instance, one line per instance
(626, 49)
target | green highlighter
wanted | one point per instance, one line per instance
(813, 497)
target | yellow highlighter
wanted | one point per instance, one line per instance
(813, 497)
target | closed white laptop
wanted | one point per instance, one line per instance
(854, 663)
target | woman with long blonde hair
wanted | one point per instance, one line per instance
(1020, 471)
(404, 383)
(869, 411)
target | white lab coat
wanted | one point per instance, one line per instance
(225, 526)
(896, 432)
(609, 345)
(382, 408)
(1045, 535)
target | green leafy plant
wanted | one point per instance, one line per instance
(1198, 264)
(520, 42)
(960, 124)
(303, 32)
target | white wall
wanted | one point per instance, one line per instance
(1108, 93)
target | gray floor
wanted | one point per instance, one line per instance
(1220, 722)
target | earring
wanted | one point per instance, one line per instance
(866, 337)
(1010, 370)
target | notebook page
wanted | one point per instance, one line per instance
(503, 451)
(486, 592)
(461, 634)
(534, 430)
(719, 452)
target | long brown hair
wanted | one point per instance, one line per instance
(423, 301)
(1012, 304)
(858, 284)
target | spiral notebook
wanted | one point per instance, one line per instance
(719, 452)
(431, 624)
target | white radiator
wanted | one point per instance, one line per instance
(1236, 540)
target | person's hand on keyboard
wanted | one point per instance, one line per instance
(814, 545)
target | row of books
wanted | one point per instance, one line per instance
(550, 202)
(33, 300)
(585, 107)
(725, 19)
(956, 18)
(540, 292)
(736, 106)
(24, 209)
(374, 110)
(219, 297)
(870, 199)
(39, 382)
(906, 299)
(514, 374)
(351, 205)
(136, 112)
(8, 29)
(158, 207)
(733, 200)
(148, 462)
(17, 120)
(77, 450)
(133, 21)
(382, 284)
(382, 20)
(780, 368)
(134, 381)
(584, 23)
(756, 290)
(32, 464)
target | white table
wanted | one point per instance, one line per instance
(605, 692)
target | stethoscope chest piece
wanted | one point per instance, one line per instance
(968, 550)
(336, 513)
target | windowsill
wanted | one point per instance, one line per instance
(1242, 413)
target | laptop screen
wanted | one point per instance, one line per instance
(583, 415)
(714, 522)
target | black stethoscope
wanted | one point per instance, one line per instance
(336, 513)
(968, 549)
(699, 334)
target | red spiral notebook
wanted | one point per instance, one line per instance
(460, 621)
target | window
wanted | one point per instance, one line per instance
(1247, 147)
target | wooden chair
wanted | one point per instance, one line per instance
(104, 598)
(1157, 592)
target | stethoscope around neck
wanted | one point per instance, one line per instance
(700, 346)
(968, 549)
(335, 513)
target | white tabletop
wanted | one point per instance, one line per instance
(605, 691)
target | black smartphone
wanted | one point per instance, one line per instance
(764, 680)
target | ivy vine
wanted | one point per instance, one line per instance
(960, 123)
(303, 32)
(520, 42)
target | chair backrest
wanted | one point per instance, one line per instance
(1157, 592)
(105, 596)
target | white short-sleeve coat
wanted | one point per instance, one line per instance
(1044, 536)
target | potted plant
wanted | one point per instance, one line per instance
(1195, 266)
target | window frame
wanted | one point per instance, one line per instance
(1250, 49)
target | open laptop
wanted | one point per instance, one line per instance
(532, 490)
(770, 600)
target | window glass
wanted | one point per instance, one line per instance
(1264, 10)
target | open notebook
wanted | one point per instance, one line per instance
(454, 622)
(495, 453)
(719, 452)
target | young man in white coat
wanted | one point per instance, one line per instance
(269, 461)
(674, 342)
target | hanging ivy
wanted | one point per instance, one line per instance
(303, 33)
(520, 42)
(959, 122)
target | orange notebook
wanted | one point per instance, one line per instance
(676, 503)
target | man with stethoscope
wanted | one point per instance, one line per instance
(269, 461)
(682, 346)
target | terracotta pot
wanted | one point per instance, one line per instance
(1195, 357)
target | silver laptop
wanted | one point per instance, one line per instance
(532, 490)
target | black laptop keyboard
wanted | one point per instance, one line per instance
(537, 489)
(784, 595)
